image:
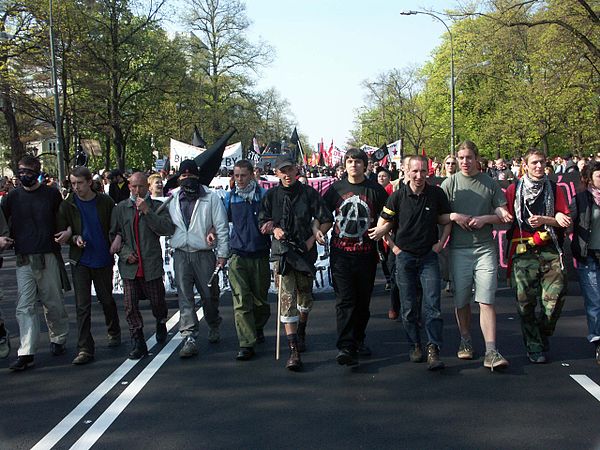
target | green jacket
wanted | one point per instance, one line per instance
(69, 215)
(151, 227)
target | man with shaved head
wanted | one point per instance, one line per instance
(137, 225)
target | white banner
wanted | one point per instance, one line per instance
(231, 155)
(181, 151)
(394, 151)
(337, 156)
(368, 149)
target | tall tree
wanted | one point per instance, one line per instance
(230, 58)
(128, 64)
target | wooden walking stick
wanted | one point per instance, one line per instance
(278, 318)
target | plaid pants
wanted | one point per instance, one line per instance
(153, 290)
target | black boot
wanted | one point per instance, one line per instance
(138, 347)
(301, 337)
(293, 363)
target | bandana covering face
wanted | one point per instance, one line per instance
(595, 193)
(247, 193)
(28, 180)
(191, 188)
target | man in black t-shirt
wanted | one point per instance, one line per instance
(356, 203)
(416, 208)
(31, 211)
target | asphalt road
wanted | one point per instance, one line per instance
(213, 401)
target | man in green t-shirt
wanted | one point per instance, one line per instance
(476, 202)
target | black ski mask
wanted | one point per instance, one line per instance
(191, 187)
(28, 179)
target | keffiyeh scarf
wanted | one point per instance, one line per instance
(247, 193)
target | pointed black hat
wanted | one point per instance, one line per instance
(208, 162)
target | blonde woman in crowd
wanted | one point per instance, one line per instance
(449, 166)
(155, 184)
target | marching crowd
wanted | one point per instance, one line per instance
(423, 233)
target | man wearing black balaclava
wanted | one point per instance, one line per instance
(195, 209)
(31, 211)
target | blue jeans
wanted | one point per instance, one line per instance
(409, 269)
(589, 280)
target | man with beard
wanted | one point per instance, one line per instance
(137, 225)
(540, 214)
(249, 270)
(31, 211)
(291, 212)
(357, 203)
(194, 210)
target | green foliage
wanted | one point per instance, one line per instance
(127, 84)
(540, 88)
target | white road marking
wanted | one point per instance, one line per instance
(96, 431)
(75, 416)
(586, 383)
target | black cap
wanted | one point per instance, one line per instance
(190, 167)
(284, 161)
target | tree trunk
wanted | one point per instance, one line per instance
(17, 149)
(107, 152)
(119, 146)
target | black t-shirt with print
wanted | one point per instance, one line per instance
(356, 208)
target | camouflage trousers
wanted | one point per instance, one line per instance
(539, 279)
(296, 294)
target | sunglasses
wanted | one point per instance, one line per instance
(448, 163)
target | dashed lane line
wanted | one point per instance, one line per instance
(586, 383)
(98, 428)
(75, 416)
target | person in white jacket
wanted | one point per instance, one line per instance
(195, 210)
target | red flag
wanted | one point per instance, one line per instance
(430, 169)
(321, 153)
(330, 155)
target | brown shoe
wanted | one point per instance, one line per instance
(416, 353)
(392, 315)
(294, 363)
(433, 358)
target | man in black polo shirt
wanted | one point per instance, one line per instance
(416, 208)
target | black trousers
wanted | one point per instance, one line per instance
(82, 283)
(353, 278)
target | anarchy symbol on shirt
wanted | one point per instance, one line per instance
(353, 218)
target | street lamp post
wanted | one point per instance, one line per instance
(412, 13)
(57, 116)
